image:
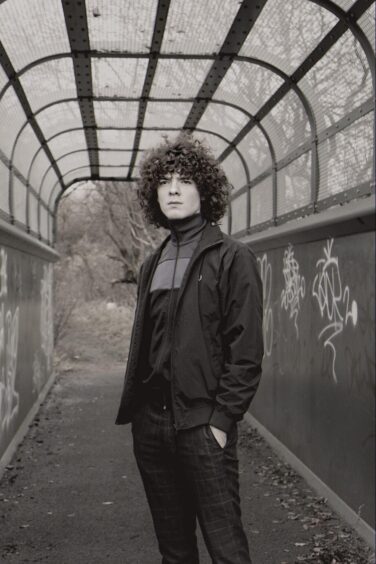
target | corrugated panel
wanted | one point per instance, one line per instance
(27, 147)
(4, 187)
(235, 86)
(116, 114)
(166, 114)
(67, 142)
(12, 118)
(294, 184)
(223, 119)
(115, 139)
(239, 213)
(114, 171)
(40, 165)
(287, 125)
(118, 77)
(339, 82)
(33, 213)
(287, 31)
(346, 158)
(121, 25)
(49, 82)
(234, 169)
(19, 200)
(177, 78)
(262, 201)
(198, 27)
(256, 152)
(30, 30)
(117, 158)
(59, 117)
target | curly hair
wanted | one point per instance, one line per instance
(192, 159)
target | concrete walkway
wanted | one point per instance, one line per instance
(72, 493)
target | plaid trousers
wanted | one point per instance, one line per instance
(188, 475)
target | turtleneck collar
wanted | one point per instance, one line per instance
(184, 230)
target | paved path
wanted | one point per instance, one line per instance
(72, 494)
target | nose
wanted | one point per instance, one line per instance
(174, 185)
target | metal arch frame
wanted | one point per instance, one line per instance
(23, 100)
(53, 214)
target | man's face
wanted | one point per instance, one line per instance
(178, 197)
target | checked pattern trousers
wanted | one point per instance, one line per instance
(187, 476)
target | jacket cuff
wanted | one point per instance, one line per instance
(221, 421)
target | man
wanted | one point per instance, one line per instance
(195, 357)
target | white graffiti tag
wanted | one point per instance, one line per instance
(266, 277)
(46, 315)
(9, 398)
(333, 300)
(294, 286)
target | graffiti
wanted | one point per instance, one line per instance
(46, 316)
(333, 300)
(3, 274)
(9, 398)
(294, 286)
(266, 277)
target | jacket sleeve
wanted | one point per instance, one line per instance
(240, 291)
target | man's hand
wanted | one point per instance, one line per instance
(220, 436)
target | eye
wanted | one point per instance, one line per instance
(186, 180)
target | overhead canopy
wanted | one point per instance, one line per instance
(282, 90)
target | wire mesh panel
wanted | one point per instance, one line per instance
(294, 185)
(12, 118)
(27, 146)
(223, 224)
(235, 86)
(234, 169)
(81, 172)
(197, 27)
(344, 4)
(33, 213)
(121, 26)
(4, 188)
(19, 201)
(59, 117)
(287, 31)
(223, 119)
(339, 82)
(38, 168)
(114, 171)
(262, 201)
(367, 24)
(74, 160)
(49, 82)
(239, 213)
(49, 180)
(116, 114)
(68, 142)
(177, 78)
(346, 158)
(3, 79)
(115, 158)
(256, 151)
(118, 77)
(115, 139)
(166, 114)
(287, 125)
(216, 144)
(31, 30)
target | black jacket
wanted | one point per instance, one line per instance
(217, 344)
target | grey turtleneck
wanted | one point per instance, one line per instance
(173, 262)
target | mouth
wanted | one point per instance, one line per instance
(174, 203)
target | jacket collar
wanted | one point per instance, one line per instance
(211, 234)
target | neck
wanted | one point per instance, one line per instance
(185, 229)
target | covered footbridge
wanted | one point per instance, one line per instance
(283, 92)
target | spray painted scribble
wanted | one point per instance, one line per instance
(46, 315)
(266, 277)
(295, 287)
(333, 300)
(9, 332)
